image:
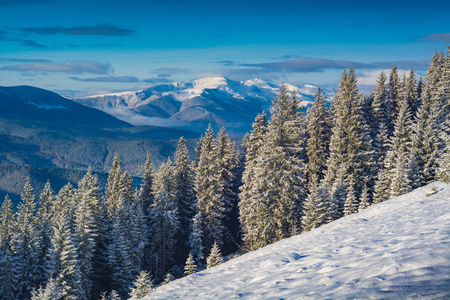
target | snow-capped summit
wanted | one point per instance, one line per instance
(193, 104)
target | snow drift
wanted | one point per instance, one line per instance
(397, 249)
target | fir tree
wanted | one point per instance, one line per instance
(142, 286)
(25, 243)
(114, 185)
(190, 267)
(393, 90)
(364, 201)
(196, 238)
(184, 198)
(7, 262)
(351, 202)
(215, 257)
(381, 189)
(247, 212)
(114, 296)
(318, 130)
(62, 264)
(146, 192)
(208, 189)
(314, 207)
(50, 292)
(164, 221)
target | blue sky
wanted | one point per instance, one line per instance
(88, 47)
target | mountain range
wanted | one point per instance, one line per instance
(193, 104)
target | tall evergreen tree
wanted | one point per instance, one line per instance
(208, 188)
(318, 129)
(393, 98)
(7, 262)
(314, 207)
(196, 238)
(25, 243)
(184, 198)
(50, 292)
(62, 263)
(43, 232)
(164, 221)
(114, 186)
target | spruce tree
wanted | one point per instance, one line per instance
(25, 243)
(318, 129)
(7, 262)
(164, 221)
(364, 201)
(190, 267)
(114, 185)
(50, 292)
(62, 263)
(184, 198)
(143, 286)
(196, 238)
(215, 256)
(393, 90)
(209, 193)
(314, 207)
(351, 202)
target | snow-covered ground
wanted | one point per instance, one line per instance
(399, 249)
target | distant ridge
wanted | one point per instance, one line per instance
(193, 104)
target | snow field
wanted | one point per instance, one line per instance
(394, 250)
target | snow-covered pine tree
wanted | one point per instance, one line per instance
(426, 127)
(247, 213)
(196, 239)
(168, 278)
(351, 202)
(85, 231)
(146, 194)
(364, 200)
(227, 160)
(215, 256)
(65, 204)
(114, 186)
(392, 98)
(190, 267)
(398, 159)
(7, 262)
(50, 292)
(279, 184)
(114, 295)
(208, 189)
(409, 91)
(43, 232)
(143, 285)
(314, 208)
(381, 189)
(318, 129)
(350, 155)
(380, 121)
(164, 221)
(184, 198)
(25, 243)
(62, 260)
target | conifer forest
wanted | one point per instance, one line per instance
(292, 173)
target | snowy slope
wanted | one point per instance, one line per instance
(194, 104)
(398, 249)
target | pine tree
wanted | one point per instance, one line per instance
(114, 296)
(350, 155)
(190, 267)
(146, 192)
(364, 201)
(65, 204)
(168, 278)
(62, 263)
(398, 159)
(50, 292)
(196, 238)
(278, 188)
(318, 130)
(184, 198)
(142, 286)
(208, 189)
(227, 160)
(247, 212)
(164, 221)
(314, 207)
(43, 232)
(85, 231)
(25, 243)
(114, 185)
(7, 262)
(351, 202)
(381, 189)
(392, 99)
(215, 257)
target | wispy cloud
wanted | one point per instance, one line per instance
(107, 79)
(437, 37)
(307, 65)
(99, 29)
(227, 63)
(5, 36)
(22, 60)
(70, 67)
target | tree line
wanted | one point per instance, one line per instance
(291, 174)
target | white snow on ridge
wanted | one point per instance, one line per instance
(398, 249)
